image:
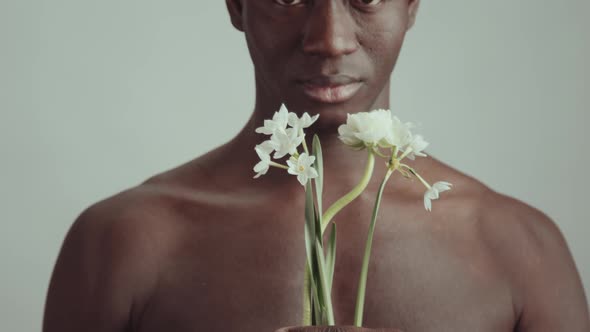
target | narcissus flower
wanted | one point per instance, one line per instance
(286, 142)
(433, 193)
(299, 124)
(267, 146)
(277, 124)
(263, 165)
(302, 168)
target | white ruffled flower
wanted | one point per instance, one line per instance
(416, 146)
(286, 142)
(367, 129)
(277, 124)
(301, 123)
(302, 168)
(400, 134)
(264, 164)
(433, 193)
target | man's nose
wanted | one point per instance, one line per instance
(330, 30)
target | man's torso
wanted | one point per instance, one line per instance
(236, 262)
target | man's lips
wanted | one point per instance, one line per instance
(331, 89)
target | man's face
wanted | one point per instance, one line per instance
(321, 55)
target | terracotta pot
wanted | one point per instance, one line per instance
(333, 329)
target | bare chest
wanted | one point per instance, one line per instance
(248, 277)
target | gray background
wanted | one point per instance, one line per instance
(95, 96)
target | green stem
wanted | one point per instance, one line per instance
(275, 164)
(405, 154)
(354, 193)
(360, 298)
(306, 297)
(305, 144)
(424, 182)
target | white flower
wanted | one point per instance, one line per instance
(302, 168)
(301, 123)
(366, 129)
(267, 146)
(400, 134)
(277, 124)
(433, 193)
(262, 167)
(416, 146)
(286, 142)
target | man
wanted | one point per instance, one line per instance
(204, 247)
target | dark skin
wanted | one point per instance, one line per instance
(204, 247)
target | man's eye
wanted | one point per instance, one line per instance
(289, 2)
(369, 2)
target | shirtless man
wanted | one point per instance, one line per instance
(204, 247)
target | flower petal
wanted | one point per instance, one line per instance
(261, 168)
(267, 147)
(442, 186)
(292, 167)
(427, 203)
(302, 179)
(262, 154)
(292, 120)
(312, 173)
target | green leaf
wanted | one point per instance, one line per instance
(310, 249)
(316, 304)
(307, 298)
(326, 296)
(324, 317)
(318, 230)
(319, 181)
(331, 257)
(319, 184)
(310, 227)
(312, 266)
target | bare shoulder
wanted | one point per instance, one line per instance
(110, 260)
(534, 256)
(506, 224)
(149, 210)
(513, 227)
(145, 222)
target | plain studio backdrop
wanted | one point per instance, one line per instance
(96, 96)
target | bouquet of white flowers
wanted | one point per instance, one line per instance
(374, 131)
